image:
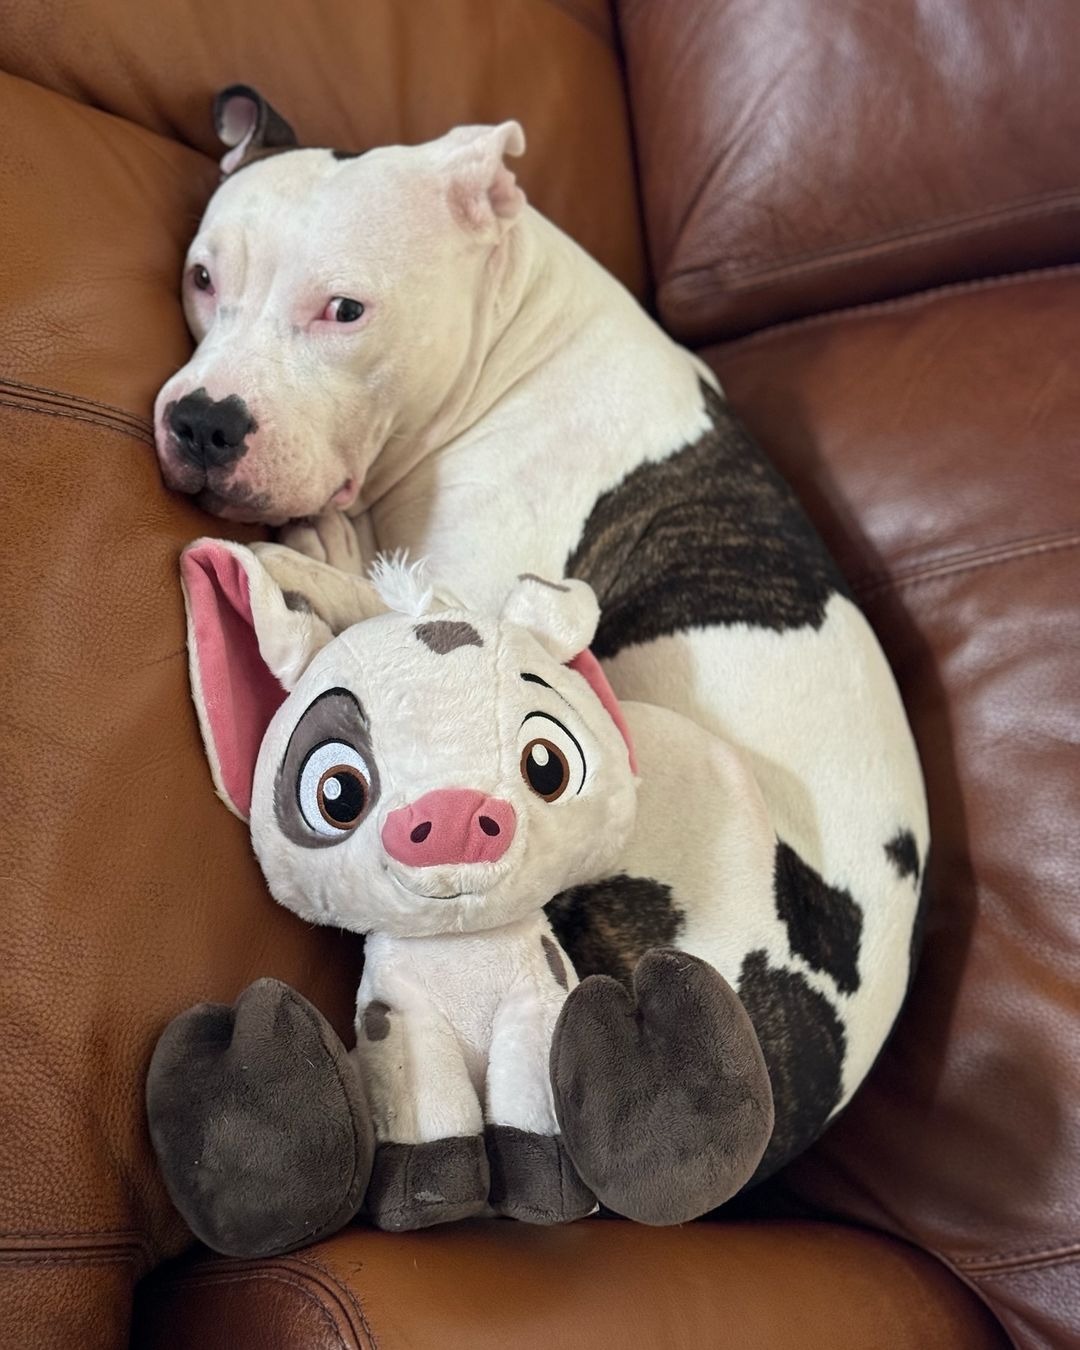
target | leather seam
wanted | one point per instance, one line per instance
(965, 562)
(117, 1234)
(21, 388)
(275, 1276)
(342, 1290)
(76, 1257)
(70, 414)
(713, 278)
(898, 304)
(990, 1267)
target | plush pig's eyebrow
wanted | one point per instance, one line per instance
(535, 679)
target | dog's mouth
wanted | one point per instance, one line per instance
(345, 496)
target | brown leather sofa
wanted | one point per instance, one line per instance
(867, 216)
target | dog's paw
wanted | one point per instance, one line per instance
(662, 1094)
(330, 538)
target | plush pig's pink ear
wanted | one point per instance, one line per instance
(248, 644)
(591, 670)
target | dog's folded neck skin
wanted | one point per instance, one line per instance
(529, 310)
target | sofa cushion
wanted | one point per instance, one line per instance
(934, 440)
(501, 1284)
(359, 73)
(801, 155)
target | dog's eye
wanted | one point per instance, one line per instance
(552, 759)
(343, 310)
(200, 278)
(333, 788)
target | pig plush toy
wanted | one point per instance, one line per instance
(433, 778)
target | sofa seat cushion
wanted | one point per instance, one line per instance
(495, 1283)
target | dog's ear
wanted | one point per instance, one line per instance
(248, 643)
(248, 127)
(481, 190)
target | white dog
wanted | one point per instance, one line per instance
(397, 342)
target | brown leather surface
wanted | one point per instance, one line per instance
(602, 1284)
(936, 441)
(128, 890)
(798, 156)
(358, 73)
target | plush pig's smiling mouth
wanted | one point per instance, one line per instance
(427, 895)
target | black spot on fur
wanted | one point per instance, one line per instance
(824, 924)
(446, 635)
(709, 535)
(297, 602)
(607, 926)
(555, 961)
(903, 853)
(347, 154)
(377, 1020)
(803, 1042)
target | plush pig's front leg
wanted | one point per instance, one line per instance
(532, 1177)
(430, 1164)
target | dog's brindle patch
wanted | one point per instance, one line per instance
(606, 927)
(803, 1042)
(824, 925)
(555, 961)
(710, 535)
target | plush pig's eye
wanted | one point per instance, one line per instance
(552, 759)
(333, 788)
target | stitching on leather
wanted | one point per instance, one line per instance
(585, 18)
(898, 304)
(991, 1266)
(713, 277)
(349, 1293)
(117, 1234)
(85, 1257)
(275, 1276)
(70, 414)
(965, 562)
(49, 393)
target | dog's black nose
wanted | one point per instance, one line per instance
(209, 434)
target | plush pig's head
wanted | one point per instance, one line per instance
(339, 303)
(427, 770)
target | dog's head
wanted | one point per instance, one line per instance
(428, 770)
(340, 303)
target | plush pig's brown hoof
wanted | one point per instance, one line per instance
(260, 1122)
(662, 1094)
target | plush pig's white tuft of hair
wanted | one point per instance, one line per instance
(403, 586)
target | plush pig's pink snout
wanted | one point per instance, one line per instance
(450, 825)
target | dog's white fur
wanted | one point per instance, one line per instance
(498, 383)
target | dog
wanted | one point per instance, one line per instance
(396, 352)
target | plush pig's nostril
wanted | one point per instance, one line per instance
(451, 825)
